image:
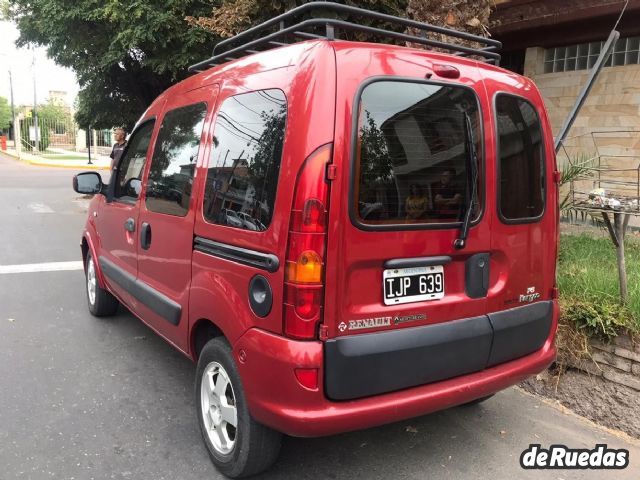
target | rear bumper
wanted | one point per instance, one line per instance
(277, 399)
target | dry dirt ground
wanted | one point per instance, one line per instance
(609, 404)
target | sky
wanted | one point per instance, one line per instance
(49, 76)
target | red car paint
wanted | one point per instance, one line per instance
(320, 80)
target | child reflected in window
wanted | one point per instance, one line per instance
(416, 204)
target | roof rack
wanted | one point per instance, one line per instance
(262, 37)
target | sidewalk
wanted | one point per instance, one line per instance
(99, 163)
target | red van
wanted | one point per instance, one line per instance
(341, 234)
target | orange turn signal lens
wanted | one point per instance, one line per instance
(308, 268)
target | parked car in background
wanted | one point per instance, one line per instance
(232, 218)
(248, 221)
(405, 258)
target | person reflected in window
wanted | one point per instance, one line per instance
(416, 204)
(446, 197)
(118, 147)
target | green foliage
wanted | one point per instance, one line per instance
(43, 137)
(578, 168)
(588, 282)
(604, 320)
(376, 167)
(51, 112)
(124, 52)
(5, 113)
(4, 10)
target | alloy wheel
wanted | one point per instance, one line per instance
(219, 412)
(91, 281)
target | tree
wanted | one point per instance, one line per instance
(5, 113)
(470, 16)
(376, 167)
(55, 117)
(235, 16)
(124, 52)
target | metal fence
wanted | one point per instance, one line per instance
(607, 168)
(60, 139)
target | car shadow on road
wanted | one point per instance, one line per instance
(402, 449)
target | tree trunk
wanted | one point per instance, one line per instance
(621, 227)
(617, 232)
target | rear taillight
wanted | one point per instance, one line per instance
(304, 268)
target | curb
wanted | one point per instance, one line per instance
(61, 165)
(54, 164)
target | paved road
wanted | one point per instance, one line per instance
(82, 398)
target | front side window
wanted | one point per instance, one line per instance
(243, 169)
(129, 174)
(174, 160)
(521, 156)
(413, 153)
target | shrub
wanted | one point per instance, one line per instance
(604, 319)
(43, 138)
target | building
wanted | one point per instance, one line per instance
(58, 98)
(556, 42)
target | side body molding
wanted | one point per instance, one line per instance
(156, 301)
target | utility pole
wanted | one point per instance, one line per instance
(13, 111)
(35, 102)
(89, 138)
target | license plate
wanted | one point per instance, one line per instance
(405, 285)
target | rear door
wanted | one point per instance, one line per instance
(167, 214)
(397, 210)
(524, 234)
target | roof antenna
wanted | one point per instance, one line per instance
(593, 76)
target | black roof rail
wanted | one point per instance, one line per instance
(290, 25)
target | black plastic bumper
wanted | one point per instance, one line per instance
(363, 365)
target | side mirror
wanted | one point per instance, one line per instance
(88, 183)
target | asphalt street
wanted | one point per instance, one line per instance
(87, 398)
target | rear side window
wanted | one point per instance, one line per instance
(174, 160)
(521, 155)
(243, 169)
(412, 154)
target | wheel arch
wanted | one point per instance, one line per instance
(86, 246)
(202, 331)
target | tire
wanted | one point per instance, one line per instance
(101, 303)
(249, 447)
(477, 401)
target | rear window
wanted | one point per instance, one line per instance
(412, 153)
(521, 154)
(243, 169)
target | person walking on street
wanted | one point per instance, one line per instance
(118, 147)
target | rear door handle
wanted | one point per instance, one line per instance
(130, 225)
(145, 236)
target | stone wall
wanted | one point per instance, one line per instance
(618, 361)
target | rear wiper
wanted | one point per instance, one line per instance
(472, 164)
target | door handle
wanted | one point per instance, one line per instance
(130, 225)
(145, 236)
